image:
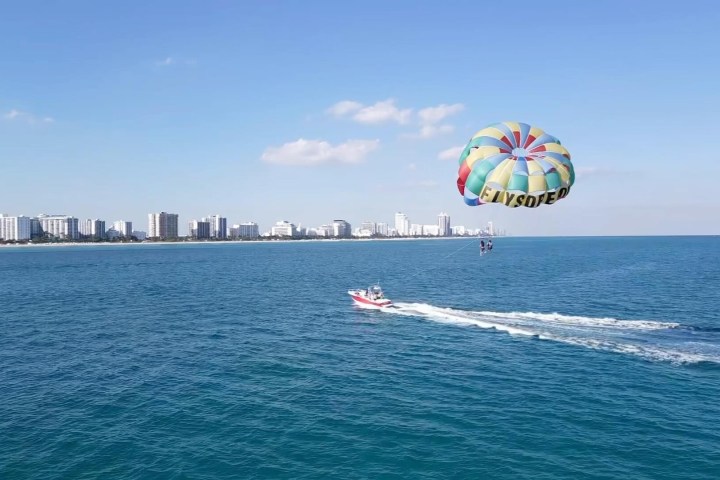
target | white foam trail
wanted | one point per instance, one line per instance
(569, 329)
(448, 315)
(585, 321)
(674, 356)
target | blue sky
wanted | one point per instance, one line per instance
(310, 111)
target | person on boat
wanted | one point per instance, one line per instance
(482, 247)
(489, 247)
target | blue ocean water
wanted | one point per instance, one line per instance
(546, 359)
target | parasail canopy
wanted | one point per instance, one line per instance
(515, 164)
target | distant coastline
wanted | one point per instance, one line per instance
(227, 242)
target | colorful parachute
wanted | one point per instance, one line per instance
(514, 164)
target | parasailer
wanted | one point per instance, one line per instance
(514, 164)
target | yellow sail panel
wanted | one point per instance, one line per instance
(534, 168)
(501, 174)
(554, 147)
(490, 132)
(536, 132)
(537, 183)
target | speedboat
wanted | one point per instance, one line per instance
(371, 297)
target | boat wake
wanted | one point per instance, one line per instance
(651, 340)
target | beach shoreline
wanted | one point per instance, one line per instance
(225, 242)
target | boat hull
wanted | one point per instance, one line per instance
(362, 301)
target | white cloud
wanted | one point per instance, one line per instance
(412, 166)
(20, 116)
(345, 107)
(386, 111)
(317, 152)
(432, 115)
(452, 153)
(429, 131)
(13, 114)
(382, 112)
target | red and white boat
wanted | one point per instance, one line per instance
(371, 297)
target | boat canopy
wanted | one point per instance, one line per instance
(374, 289)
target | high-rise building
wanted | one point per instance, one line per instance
(324, 231)
(35, 228)
(444, 224)
(59, 226)
(370, 227)
(382, 229)
(402, 225)
(341, 229)
(93, 228)
(431, 230)
(248, 230)
(123, 228)
(458, 230)
(14, 228)
(199, 229)
(490, 229)
(163, 225)
(283, 228)
(218, 226)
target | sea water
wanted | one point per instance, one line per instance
(545, 359)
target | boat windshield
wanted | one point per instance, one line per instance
(375, 289)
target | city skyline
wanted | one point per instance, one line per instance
(205, 108)
(170, 225)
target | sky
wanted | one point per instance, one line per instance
(310, 111)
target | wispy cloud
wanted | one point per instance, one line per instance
(384, 111)
(430, 117)
(343, 108)
(318, 152)
(433, 115)
(15, 115)
(452, 153)
(175, 61)
(429, 131)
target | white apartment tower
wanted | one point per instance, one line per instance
(283, 228)
(444, 224)
(123, 228)
(14, 228)
(218, 226)
(341, 229)
(370, 227)
(382, 229)
(402, 224)
(93, 228)
(163, 225)
(59, 226)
